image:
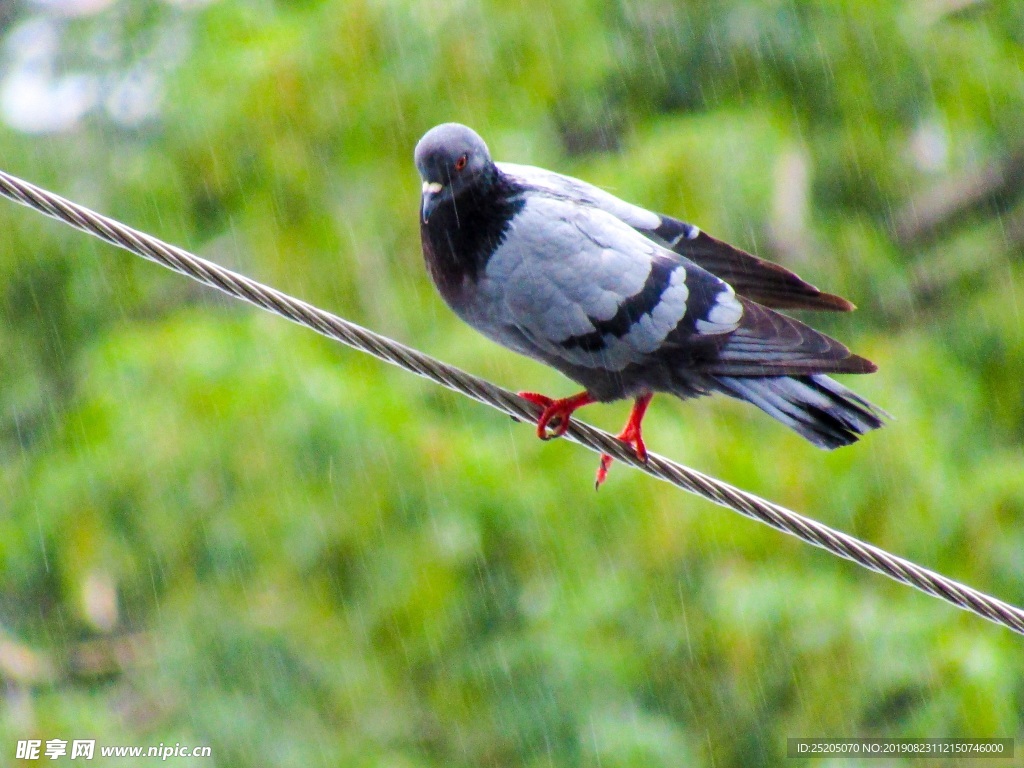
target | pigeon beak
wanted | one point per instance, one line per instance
(431, 192)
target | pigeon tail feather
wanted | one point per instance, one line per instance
(818, 408)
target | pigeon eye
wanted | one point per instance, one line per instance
(461, 162)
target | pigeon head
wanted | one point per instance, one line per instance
(452, 159)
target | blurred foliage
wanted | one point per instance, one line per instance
(221, 529)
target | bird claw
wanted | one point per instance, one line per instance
(632, 435)
(556, 415)
(548, 435)
(639, 448)
(555, 427)
(554, 419)
(602, 471)
(542, 400)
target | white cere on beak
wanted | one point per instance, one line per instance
(432, 186)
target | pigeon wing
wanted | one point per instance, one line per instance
(587, 289)
(762, 281)
(767, 343)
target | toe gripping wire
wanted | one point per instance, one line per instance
(334, 327)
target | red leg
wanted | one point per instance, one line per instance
(556, 412)
(630, 434)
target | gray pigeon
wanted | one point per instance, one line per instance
(624, 301)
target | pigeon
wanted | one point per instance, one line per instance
(623, 301)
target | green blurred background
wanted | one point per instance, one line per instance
(219, 528)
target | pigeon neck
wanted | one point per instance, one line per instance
(463, 233)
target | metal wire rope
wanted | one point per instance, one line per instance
(334, 327)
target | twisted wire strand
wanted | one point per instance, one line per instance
(334, 327)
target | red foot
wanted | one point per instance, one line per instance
(556, 412)
(630, 434)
